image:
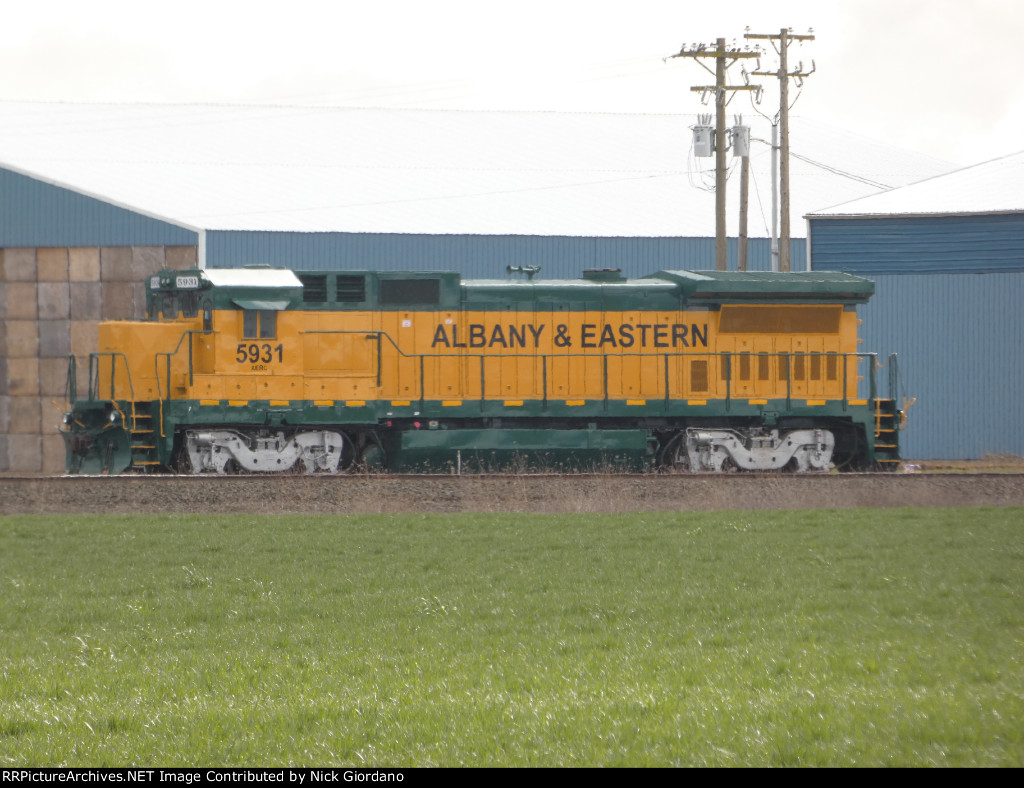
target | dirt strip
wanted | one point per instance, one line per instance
(525, 493)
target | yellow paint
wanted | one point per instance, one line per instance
(451, 403)
(575, 402)
(362, 356)
(813, 402)
(238, 403)
(279, 403)
(209, 402)
(355, 403)
(324, 403)
(513, 403)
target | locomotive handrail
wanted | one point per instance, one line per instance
(168, 355)
(846, 383)
(156, 369)
(894, 375)
(94, 374)
(728, 381)
(72, 381)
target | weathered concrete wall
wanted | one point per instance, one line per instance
(51, 303)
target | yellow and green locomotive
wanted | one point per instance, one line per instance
(272, 370)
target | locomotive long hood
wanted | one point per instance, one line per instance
(802, 287)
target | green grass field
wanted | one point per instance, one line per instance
(838, 638)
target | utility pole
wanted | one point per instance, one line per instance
(784, 37)
(740, 135)
(775, 197)
(723, 59)
(741, 252)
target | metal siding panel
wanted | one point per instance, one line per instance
(949, 244)
(958, 339)
(479, 256)
(41, 214)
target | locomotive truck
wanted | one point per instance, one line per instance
(257, 369)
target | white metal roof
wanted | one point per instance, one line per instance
(995, 186)
(251, 277)
(317, 169)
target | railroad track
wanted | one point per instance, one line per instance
(350, 494)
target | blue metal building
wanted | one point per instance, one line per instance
(947, 257)
(39, 212)
(481, 256)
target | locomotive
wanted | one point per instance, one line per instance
(259, 369)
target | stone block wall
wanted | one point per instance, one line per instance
(51, 303)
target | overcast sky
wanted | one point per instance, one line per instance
(941, 77)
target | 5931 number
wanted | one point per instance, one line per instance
(252, 352)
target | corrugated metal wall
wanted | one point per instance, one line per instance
(906, 244)
(947, 300)
(41, 214)
(480, 256)
(959, 338)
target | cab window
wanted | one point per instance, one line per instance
(259, 324)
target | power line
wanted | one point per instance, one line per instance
(723, 57)
(842, 173)
(784, 38)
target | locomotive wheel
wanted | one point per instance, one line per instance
(182, 464)
(728, 466)
(348, 455)
(674, 457)
(372, 458)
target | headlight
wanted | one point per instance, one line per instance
(113, 416)
(67, 418)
